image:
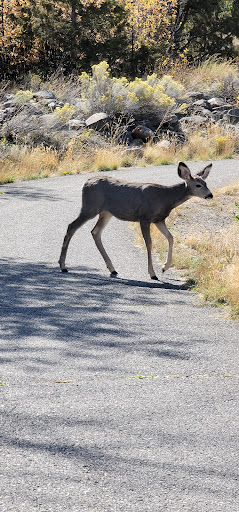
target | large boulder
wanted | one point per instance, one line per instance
(202, 103)
(142, 132)
(97, 121)
(193, 120)
(45, 97)
(44, 94)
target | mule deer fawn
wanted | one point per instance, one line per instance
(145, 203)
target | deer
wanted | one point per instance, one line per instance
(146, 203)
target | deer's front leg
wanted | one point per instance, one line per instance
(145, 228)
(164, 230)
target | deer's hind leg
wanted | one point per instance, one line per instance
(104, 218)
(72, 228)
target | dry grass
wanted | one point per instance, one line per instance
(209, 259)
(214, 76)
(31, 163)
(228, 190)
(24, 162)
(215, 265)
(214, 142)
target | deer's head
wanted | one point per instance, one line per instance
(196, 184)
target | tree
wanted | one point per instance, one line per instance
(206, 28)
(151, 23)
(131, 35)
(45, 35)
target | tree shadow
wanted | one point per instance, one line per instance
(14, 191)
(75, 444)
(83, 315)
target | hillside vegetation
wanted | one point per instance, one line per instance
(96, 122)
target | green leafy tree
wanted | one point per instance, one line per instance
(44, 35)
(206, 28)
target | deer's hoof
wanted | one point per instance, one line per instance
(64, 270)
(114, 273)
(154, 278)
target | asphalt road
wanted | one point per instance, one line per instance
(121, 394)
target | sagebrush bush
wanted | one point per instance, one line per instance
(118, 95)
(66, 112)
(22, 97)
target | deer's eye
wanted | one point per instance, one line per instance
(198, 185)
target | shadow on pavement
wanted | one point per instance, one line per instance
(46, 315)
(29, 193)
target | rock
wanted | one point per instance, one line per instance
(194, 95)
(52, 105)
(44, 94)
(202, 103)
(222, 108)
(172, 121)
(9, 96)
(142, 132)
(10, 111)
(9, 104)
(164, 144)
(137, 142)
(97, 121)
(206, 112)
(193, 120)
(68, 134)
(49, 120)
(76, 124)
(216, 102)
(3, 114)
(233, 115)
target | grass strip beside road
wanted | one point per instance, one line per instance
(206, 252)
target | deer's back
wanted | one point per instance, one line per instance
(124, 200)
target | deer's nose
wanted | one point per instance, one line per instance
(209, 196)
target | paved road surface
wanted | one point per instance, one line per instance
(80, 430)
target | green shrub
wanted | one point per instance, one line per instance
(22, 97)
(118, 95)
(66, 112)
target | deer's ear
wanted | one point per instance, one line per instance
(183, 171)
(205, 172)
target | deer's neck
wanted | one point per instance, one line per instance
(178, 195)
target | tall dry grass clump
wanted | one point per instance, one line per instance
(23, 163)
(213, 76)
(215, 265)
